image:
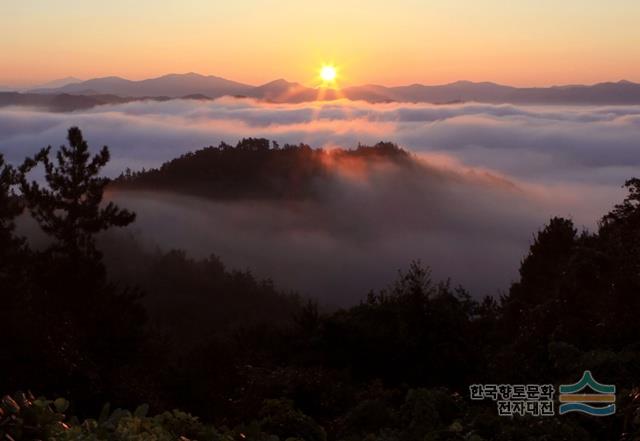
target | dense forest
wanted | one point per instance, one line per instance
(259, 168)
(254, 362)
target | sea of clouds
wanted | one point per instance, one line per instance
(493, 175)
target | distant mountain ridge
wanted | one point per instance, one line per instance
(61, 82)
(64, 102)
(622, 92)
(282, 91)
(172, 85)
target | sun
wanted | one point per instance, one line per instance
(328, 73)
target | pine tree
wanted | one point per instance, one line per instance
(13, 249)
(94, 326)
(10, 206)
(70, 207)
(13, 283)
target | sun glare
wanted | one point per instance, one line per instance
(328, 73)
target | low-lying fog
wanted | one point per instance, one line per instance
(493, 175)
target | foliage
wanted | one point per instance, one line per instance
(70, 207)
(254, 170)
(259, 365)
(417, 331)
(92, 327)
(25, 417)
(189, 298)
(10, 205)
(12, 248)
(281, 418)
(426, 414)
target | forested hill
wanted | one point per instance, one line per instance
(261, 169)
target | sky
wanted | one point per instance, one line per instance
(528, 42)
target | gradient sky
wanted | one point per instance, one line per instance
(528, 42)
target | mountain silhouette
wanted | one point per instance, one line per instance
(61, 82)
(64, 102)
(283, 91)
(172, 85)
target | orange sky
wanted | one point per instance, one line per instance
(526, 42)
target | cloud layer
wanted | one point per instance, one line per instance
(567, 161)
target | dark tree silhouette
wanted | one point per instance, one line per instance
(619, 242)
(12, 277)
(629, 209)
(95, 328)
(13, 250)
(233, 341)
(14, 290)
(252, 169)
(70, 209)
(10, 207)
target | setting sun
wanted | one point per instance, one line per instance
(328, 73)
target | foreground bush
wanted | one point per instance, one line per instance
(425, 415)
(24, 417)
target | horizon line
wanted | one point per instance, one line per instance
(44, 83)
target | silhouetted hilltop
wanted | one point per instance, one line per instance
(259, 168)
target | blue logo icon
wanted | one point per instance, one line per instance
(574, 401)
